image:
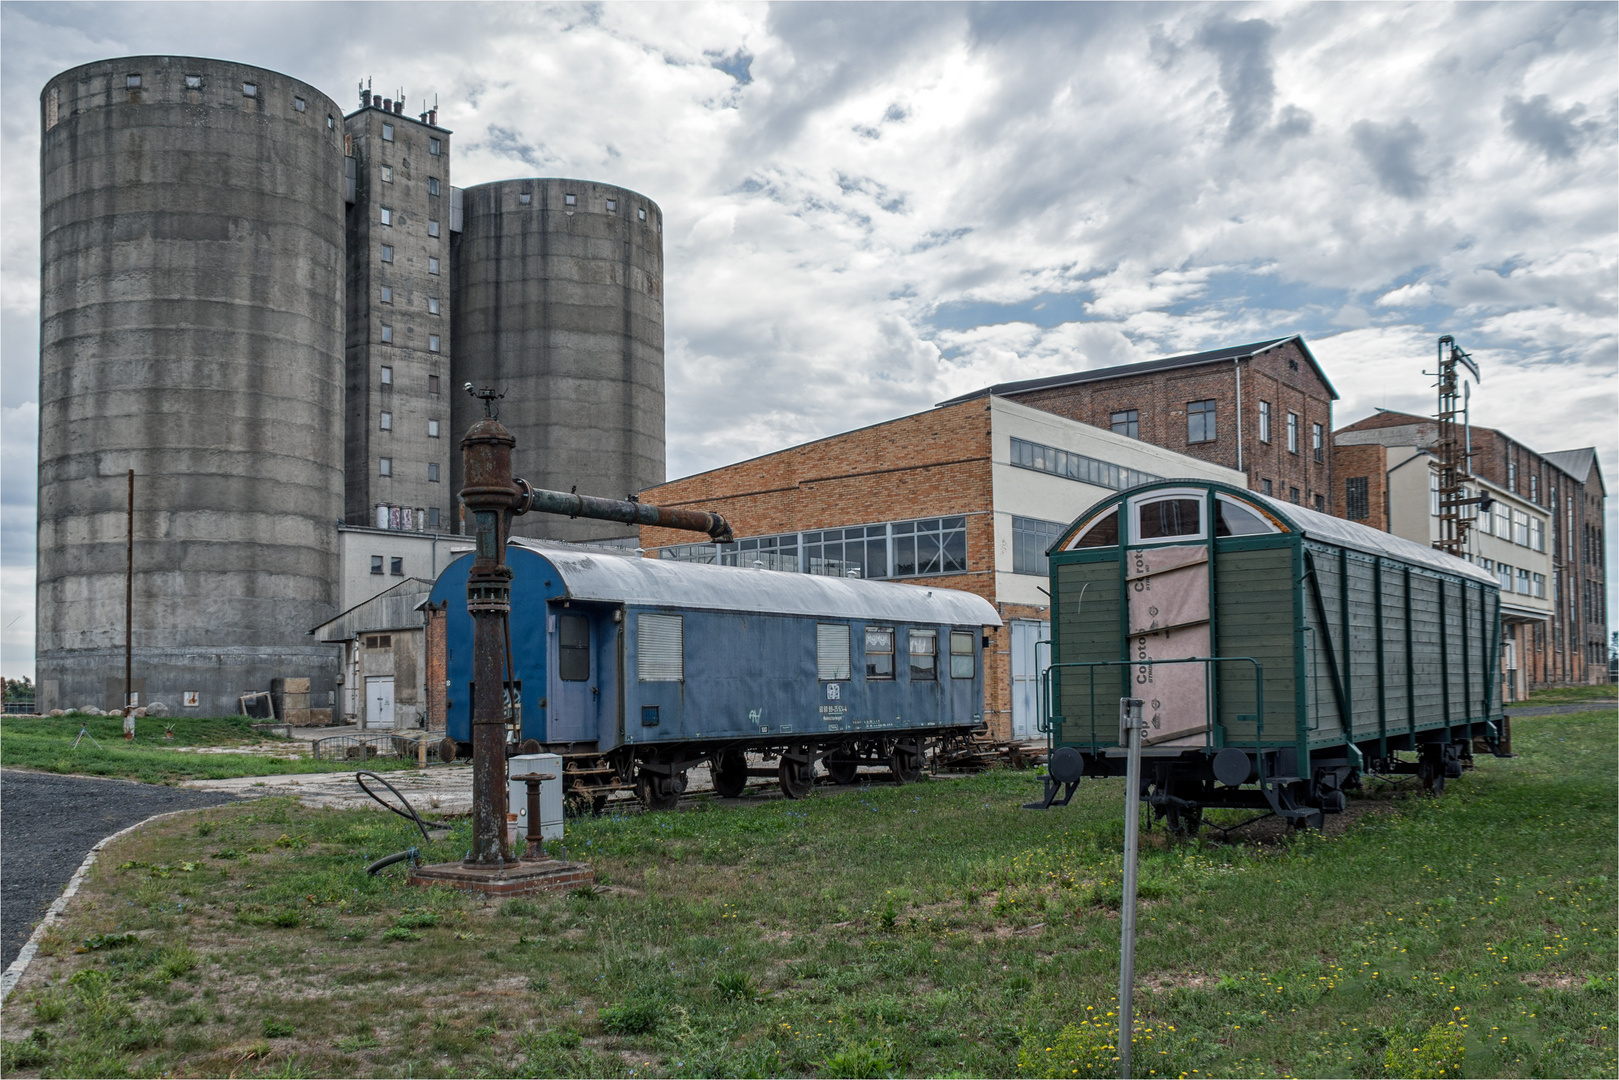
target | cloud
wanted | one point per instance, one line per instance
(1246, 75)
(1535, 123)
(1391, 151)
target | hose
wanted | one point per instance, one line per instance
(409, 813)
(414, 855)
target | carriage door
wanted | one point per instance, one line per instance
(1167, 581)
(575, 694)
(1028, 663)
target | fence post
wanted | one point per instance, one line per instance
(1130, 735)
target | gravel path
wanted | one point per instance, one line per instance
(49, 823)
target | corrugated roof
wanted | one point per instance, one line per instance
(392, 609)
(1577, 463)
(1234, 352)
(1349, 534)
(665, 582)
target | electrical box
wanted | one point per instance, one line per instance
(550, 795)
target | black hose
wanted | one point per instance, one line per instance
(412, 854)
(409, 813)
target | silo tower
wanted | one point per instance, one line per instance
(191, 328)
(558, 299)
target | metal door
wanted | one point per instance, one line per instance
(575, 694)
(379, 701)
(1028, 662)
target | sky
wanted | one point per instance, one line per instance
(871, 208)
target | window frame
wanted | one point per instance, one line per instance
(396, 566)
(432, 472)
(869, 652)
(387, 132)
(1318, 442)
(435, 147)
(1127, 419)
(387, 253)
(432, 264)
(432, 227)
(968, 655)
(432, 343)
(569, 652)
(1360, 499)
(1136, 503)
(385, 421)
(928, 672)
(1292, 433)
(387, 376)
(386, 217)
(385, 466)
(1207, 412)
(432, 427)
(376, 565)
(1264, 422)
(827, 656)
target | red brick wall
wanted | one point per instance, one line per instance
(437, 669)
(1368, 461)
(1281, 376)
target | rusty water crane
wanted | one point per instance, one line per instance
(493, 497)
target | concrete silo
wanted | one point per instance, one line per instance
(558, 297)
(191, 328)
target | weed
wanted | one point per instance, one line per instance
(50, 1007)
(869, 1058)
(277, 1029)
(636, 1017)
(520, 908)
(97, 942)
(735, 986)
(1439, 1054)
(400, 933)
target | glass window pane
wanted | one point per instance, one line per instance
(923, 650)
(1169, 517)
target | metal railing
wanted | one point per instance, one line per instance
(1214, 731)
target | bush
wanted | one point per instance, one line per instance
(1440, 1054)
(631, 1018)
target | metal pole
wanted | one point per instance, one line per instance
(129, 608)
(1130, 736)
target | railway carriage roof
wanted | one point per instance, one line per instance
(591, 575)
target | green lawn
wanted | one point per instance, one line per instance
(1562, 695)
(46, 744)
(929, 930)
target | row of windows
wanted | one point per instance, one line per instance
(1293, 495)
(435, 146)
(388, 257)
(1318, 435)
(1031, 539)
(385, 467)
(570, 201)
(387, 297)
(387, 174)
(396, 564)
(433, 340)
(135, 81)
(1502, 521)
(407, 519)
(1175, 516)
(902, 549)
(1072, 466)
(1515, 579)
(387, 379)
(385, 422)
(385, 216)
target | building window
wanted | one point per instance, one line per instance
(1355, 498)
(376, 564)
(133, 82)
(1503, 521)
(387, 294)
(879, 652)
(1127, 423)
(1523, 581)
(387, 422)
(640, 213)
(435, 147)
(331, 122)
(387, 334)
(432, 384)
(298, 104)
(1200, 421)
(432, 343)
(1433, 493)
(385, 466)
(1504, 572)
(832, 652)
(930, 546)
(1293, 495)
(1537, 534)
(757, 552)
(1540, 585)
(387, 174)
(1264, 421)
(250, 90)
(1512, 475)
(1534, 488)
(1317, 443)
(432, 185)
(1087, 470)
(524, 198)
(432, 227)
(387, 253)
(612, 206)
(1520, 528)
(432, 305)
(387, 133)
(924, 651)
(432, 472)
(387, 216)
(432, 429)
(387, 375)
(1031, 538)
(193, 82)
(396, 566)
(432, 264)
(570, 200)
(961, 654)
(432, 517)
(861, 551)
(1293, 434)
(1321, 504)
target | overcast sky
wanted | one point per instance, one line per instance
(871, 208)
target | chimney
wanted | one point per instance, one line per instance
(432, 117)
(399, 107)
(387, 105)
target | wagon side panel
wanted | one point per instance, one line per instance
(1361, 582)
(1427, 662)
(1323, 643)
(1254, 608)
(1089, 627)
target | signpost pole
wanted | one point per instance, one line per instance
(1130, 736)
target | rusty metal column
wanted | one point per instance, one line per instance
(489, 496)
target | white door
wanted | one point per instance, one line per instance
(1028, 662)
(379, 701)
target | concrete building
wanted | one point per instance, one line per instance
(967, 495)
(1264, 409)
(383, 684)
(191, 329)
(1563, 492)
(559, 302)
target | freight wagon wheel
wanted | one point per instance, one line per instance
(797, 778)
(730, 771)
(905, 762)
(1431, 771)
(844, 769)
(446, 750)
(659, 792)
(1185, 820)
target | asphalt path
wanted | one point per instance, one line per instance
(49, 823)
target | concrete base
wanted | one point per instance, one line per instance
(513, 879)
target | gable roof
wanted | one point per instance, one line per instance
(1577, 463)
(392, 609)
(1168, 363)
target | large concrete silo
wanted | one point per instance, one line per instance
(191, 328)
(557, 290)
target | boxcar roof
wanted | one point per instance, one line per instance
(591, 575)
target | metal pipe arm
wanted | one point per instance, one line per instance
(625, 510)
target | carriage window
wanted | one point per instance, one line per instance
(660, 653)
(1103, 532)
(961, 654)
(831, 652)
(1238, 520)
(924, 655)
(879, 652)
(573, 652)
(1169, 517)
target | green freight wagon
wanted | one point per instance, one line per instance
(1280, 653)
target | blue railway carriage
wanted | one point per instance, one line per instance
(1279, 652)
(635, 670)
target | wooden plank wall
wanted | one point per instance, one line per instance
(1254, 613)
(1088, 629)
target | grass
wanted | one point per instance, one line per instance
(1561, 695)
(928, 930)
(46, 744)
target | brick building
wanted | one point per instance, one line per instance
(965, 496)
(1566, 486)
(1264, 409)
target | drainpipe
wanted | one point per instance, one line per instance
(1239, 416)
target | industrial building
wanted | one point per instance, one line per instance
(265, 308)
(968, 495)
